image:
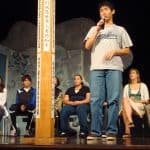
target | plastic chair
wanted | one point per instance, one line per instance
(6, 122)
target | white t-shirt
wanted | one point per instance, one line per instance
(3, 97)
(143, 90)
(113, 37)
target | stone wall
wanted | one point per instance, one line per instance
(19, 63)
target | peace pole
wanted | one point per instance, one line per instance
(45, 69)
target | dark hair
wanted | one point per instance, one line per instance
(58, 81)
(80, 77)
(2, 85)
(26, 76)
(107, 3)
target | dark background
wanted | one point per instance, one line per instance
(132, 14)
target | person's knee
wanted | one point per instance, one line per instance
(83, 108)
(125, 102)
(65, 110)
(13, 107)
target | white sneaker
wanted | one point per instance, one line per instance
(111, 137)
(13, 132)
(27, 133)
(104, 136)
(63, 134)
(93, 137)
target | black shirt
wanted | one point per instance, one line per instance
(80, 95)
(57, 92)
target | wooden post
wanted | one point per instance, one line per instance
(45, 69)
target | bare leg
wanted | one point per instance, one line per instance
(127, 110)
(126, 123)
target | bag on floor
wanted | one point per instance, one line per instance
(147, 113)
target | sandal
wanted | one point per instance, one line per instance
(131, 125)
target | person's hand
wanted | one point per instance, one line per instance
(23, 108)
(132, 98)
(100, 24)
(144, 101)
(56, 108)
(109, 55)
(74, 103)
(77, 103)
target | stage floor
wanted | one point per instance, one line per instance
(72, 143)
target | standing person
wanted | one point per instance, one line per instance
(108, 42)
(3, 97)
(57, 104)
(25, 104)
(135, 96)
(76, 100)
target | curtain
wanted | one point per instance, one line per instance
(2, 66)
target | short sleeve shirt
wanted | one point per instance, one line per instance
(110, 38)
(80, 95)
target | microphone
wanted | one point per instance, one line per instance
(101, 23)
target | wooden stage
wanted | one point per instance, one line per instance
(72, 143)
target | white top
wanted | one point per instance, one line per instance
(3, 97)
(143, 90)
(113, 37)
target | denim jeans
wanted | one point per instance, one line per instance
(82, 111)
(106, 85)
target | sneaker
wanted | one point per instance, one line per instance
(27, 133)
(111, 136)
(68, 133)
(93, 137)
(13, 132)
(82, 135)
(104, 136)
(126, 135)
(63, 134)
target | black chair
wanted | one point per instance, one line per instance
(141, 128)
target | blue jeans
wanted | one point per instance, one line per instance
(106, 85)
(82, 111)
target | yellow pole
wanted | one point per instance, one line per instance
(45, 69)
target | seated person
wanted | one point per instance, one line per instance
(3, 96)
(58, 103)
(135, 96)
(76, 101)
(25, 104)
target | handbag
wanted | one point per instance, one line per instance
(147, 114)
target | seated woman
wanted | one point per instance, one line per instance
(135, 96)
(57, 104)
(76, 101)
(3, 96)
(25, 104)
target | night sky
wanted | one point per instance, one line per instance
(12, 11)
(132, 14)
